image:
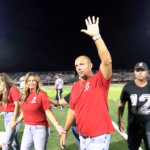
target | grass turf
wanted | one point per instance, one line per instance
(117, 141)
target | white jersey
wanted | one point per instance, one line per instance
(59, 82)
(22, 83)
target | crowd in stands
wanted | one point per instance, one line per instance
(124, 76)
(48, 77)
(45, 77)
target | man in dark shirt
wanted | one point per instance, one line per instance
(137, 94)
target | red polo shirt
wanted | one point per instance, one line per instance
(34, 109)
(12, 97)
(89, 100)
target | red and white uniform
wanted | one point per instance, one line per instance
(89, 100)
(34, 109)
(12, 97)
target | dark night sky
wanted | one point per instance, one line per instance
(45, 35)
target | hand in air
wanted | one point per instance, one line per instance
(92, 26)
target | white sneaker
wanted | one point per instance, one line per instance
(54, 107)
(61, 108)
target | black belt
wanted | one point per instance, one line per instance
(86, 137)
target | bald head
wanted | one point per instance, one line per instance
(83, 57)
(83, 67)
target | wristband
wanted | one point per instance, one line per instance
(65, 132)
(96, 37)
(56, 124)
(119, 121)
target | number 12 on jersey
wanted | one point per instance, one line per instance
(144, 109)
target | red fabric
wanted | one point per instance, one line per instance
(12, 97)
(34, 109)
(90, 105)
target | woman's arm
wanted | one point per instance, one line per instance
(52, 118)
(20, 118)
(16, 111)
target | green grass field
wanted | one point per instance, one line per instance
(117, 141)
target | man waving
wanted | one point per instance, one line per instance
(88, 100)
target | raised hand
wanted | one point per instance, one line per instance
(92, 26)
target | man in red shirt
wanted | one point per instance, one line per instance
(88, 100)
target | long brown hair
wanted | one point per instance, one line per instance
(26, 90)
(9, 83)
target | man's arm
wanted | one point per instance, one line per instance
(93, 31)
(63, 101)
(69, 121)
(54, 88)
(58, 103)
(106, 62)
(120, 114)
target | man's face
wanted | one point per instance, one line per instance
(140, 74)
(56, 77)
(83, 66)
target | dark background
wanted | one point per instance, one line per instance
(45, 35)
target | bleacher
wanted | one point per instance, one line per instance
(47, 78)
(124, 76)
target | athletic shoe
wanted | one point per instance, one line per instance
(54, 107)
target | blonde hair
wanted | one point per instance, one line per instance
(26, 90)
(9, 83)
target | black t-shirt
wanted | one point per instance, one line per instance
(67, 97)
(138, 99)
